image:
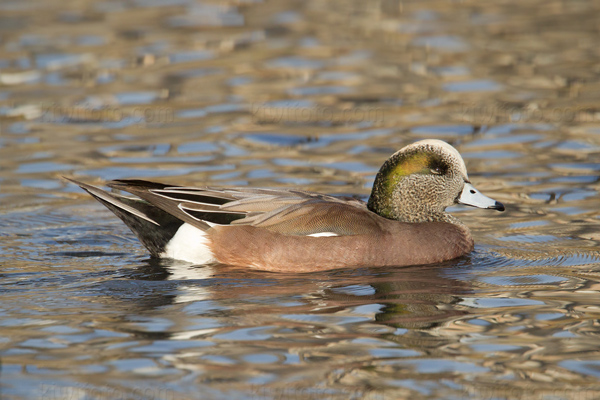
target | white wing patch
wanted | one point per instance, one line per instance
(189, 244)
(323, 234)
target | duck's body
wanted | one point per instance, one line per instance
(390, 244)
(404, 222)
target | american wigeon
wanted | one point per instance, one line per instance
(404, 222)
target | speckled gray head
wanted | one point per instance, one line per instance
(419, 181)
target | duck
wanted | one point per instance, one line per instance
(403, 223)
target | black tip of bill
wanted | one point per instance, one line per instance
(498, 206)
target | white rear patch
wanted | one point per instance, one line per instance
(323, 234)
(189, 244)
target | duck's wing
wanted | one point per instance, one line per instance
(311, 214)
(290, 212)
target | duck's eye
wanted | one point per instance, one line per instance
(436, 171)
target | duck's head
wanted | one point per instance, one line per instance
(419, 181)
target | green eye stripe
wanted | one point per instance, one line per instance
(419, 163)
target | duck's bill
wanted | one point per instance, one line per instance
(473, 197)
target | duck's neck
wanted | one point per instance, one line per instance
(414, 217)
(395, 207)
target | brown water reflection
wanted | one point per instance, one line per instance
(315, 94)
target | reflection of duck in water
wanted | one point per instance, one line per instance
(419, 297)
(404, 222)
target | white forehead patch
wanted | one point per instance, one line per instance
(445, 149)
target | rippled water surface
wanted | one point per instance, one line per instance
(312, 94)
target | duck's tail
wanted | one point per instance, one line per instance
(154, 227)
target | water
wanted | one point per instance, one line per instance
(314, 94)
